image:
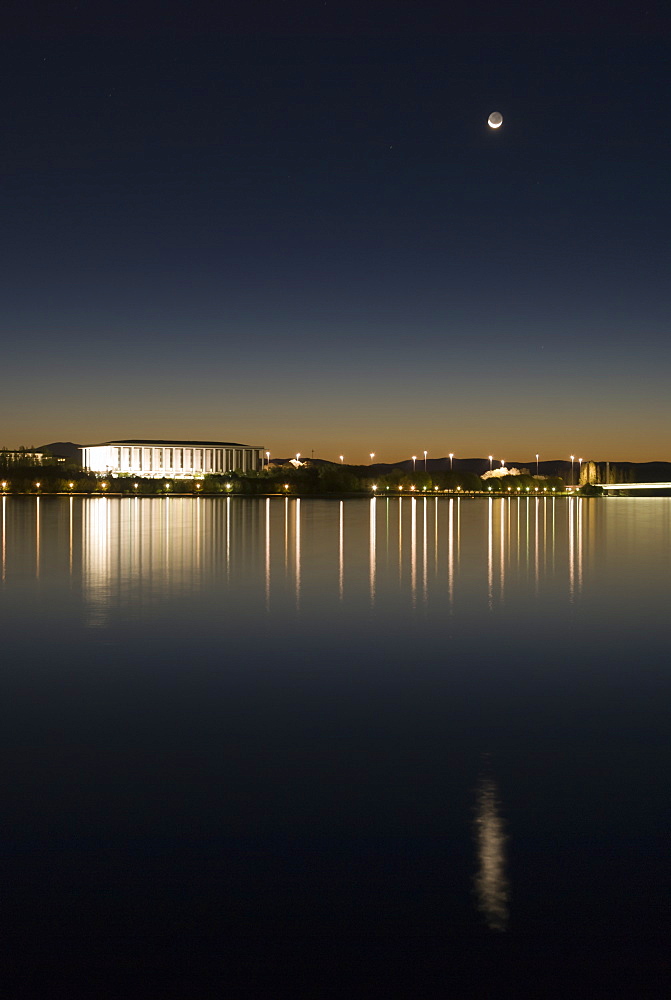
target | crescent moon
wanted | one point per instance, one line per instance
(495, 120)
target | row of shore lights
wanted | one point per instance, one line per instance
(412, 489)
(4, 485)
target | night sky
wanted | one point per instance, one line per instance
(291, 226)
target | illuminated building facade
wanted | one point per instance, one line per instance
(172, 459)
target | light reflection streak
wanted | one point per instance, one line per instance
(286, 537)
(450, 553)
(267, 573)
(425, 555)
(386, 532)
(400, 539)
(372, 536)
(435, 537)
(71, 519)
(491, 884)
(413, 549)
(341, 551)
(527, 533)
(504, 507)
(97, 557)
(579, 518)
(536, 545)
(166, 535)
(459, 533)
(571, 552)
(297, 529)
(490, 538)
(228, 535)
(4, 537)
(199, 537)
(37, 537)
(518, 533)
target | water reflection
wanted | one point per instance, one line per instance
(341, 550)
(37, 537)
(491, 884)
(575, 544)
(372, 542)
(504, 512)
(267, 551)
(400, 539)
(4, 537)
(413, 550)
(487, 553)
(490, 550)
(450, 551)
(425, 553)
(297, 560)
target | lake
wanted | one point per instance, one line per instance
(418, 746)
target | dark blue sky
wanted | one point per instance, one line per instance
(291, 226)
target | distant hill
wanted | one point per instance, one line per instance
(63, 449)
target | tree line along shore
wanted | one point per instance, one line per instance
(306, 480)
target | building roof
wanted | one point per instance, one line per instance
(137, 442)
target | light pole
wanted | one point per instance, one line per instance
(490, 463)
(342, 459)
(414, 460)
(451, 457)
(536, 464)
(572, 459)
(425, 459)
(579, 469)
(503, 463)
(298, 455)
(372, 456)
(267, 459)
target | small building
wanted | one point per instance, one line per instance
(22, 456)
(170, 459)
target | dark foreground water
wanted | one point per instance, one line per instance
(304, 747)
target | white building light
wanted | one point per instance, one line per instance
(170, 459)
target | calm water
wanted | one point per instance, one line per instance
(418, 747)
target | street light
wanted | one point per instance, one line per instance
(372, 455)
(503, 463)
(579, 469)
(298, 455)
(342, 459)
(490, 463)
(572, 459)
(414, 460)
(267, 459)
(536, 463)
(451, 457)
(425, 459)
